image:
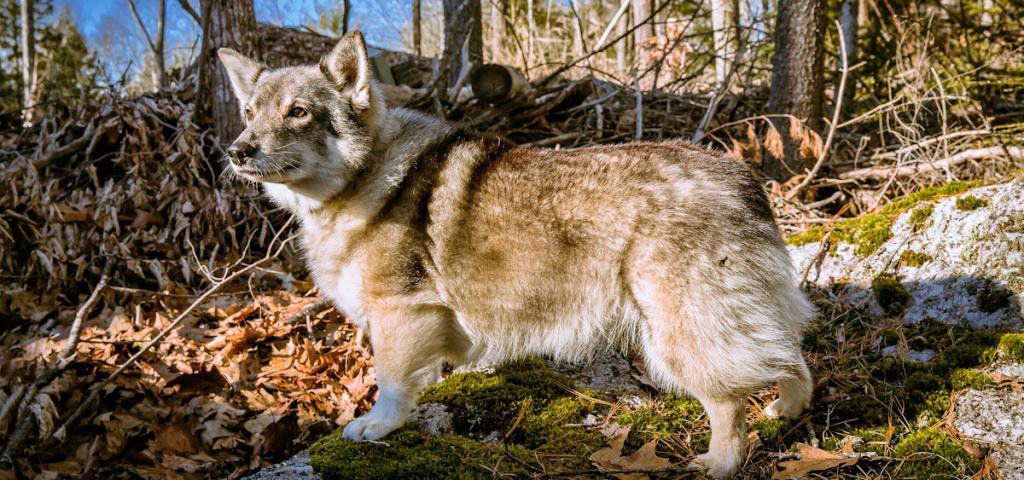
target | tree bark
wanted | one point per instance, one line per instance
(231, 24)
(462, 20)
(28, 61)
(346, 16)
(797, 83)
(417, 28)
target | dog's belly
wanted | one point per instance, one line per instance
(571, 323)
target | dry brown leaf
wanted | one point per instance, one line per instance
(812, 459)
(175, 438)
(773, 142)
(645, 458)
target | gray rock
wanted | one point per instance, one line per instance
(295, 468)
(976, 271)
(995, 418)
(434, 418)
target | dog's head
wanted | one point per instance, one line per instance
(304, 124)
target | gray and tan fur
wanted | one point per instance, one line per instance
(445, 246)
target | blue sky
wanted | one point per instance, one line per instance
(112, 32)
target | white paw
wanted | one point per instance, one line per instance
(716, 468)
(779, 408)
(370, 427)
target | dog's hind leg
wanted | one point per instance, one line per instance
(794, 394)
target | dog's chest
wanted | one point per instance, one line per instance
(337, 269)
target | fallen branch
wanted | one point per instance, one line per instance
(272, 252)
(65, 151)
(884, 173)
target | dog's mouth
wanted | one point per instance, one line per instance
(265, 173)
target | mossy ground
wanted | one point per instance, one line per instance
(896, 408)
(868, 232)
(914, 259)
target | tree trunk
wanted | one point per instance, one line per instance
(497, 21)
(158, 47)
(641, 10)
(797, 83)
(724, 23)
(28, 61)
(850, 17)
(417, 28)
(231, 24)
(462, 20)
(346, 15)
(531, 32)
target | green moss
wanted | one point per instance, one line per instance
(914, 259)
(529, 406)
(413, 454)
(671, 415)
(1011, 346)
(970, 350)
(890, 294)
(968, 203)
(865, 233)
(992, 297)
(811, 235)
(969, 378)
(770, 430)
(868, 232)
(930, 453)
(920, 215)
(481, 403)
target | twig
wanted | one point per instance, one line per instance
(602, 47)
(833, 125)
(553, 140)
(9, 407)
(76, 326)
(604, 472)
(61, 433)
(312, 309)
(882, 173)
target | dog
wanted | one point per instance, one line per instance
(445, 246)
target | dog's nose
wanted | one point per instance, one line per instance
(241, 152)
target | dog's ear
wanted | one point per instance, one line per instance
(242, 71)
(348, 67)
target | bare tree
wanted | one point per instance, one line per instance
(642, 9)
(497, 28)
(797, 82)
(346, 15)
(28, 61)
(462, 21)
(417, 28)
(156, 44)
(724, 23)
(232, 24)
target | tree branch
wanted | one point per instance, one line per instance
(187, 7)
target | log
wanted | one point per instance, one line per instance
(496, 84)
(884, 173)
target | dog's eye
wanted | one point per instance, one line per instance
(248, 113)
(297, 112)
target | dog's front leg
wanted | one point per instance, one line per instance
(409, 344)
